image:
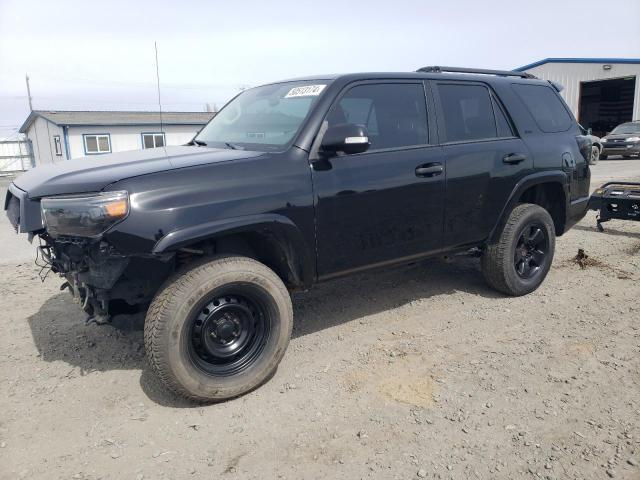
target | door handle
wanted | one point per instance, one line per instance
(514, 158)
(429, 170)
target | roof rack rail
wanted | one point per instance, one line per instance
(481, 71)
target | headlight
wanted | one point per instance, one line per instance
(603, 140)
(633, 139)
(86, 215)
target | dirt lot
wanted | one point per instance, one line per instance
(416, 372)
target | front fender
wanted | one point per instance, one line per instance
(297, 252)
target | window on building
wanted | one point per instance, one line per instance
(152, 140)
(545, 106)
(94, 144)
(468, 112)
(57, 145)
(395, 114)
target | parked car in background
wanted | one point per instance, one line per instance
(623, 140)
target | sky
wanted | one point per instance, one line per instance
(89, 55)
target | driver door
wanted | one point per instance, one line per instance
(380, 206)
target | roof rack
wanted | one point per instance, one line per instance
(481, 71)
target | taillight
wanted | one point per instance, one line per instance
(584, 145)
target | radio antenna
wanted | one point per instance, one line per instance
(155, 45)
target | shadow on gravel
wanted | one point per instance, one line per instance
(341, 301)
(608, 230)
(60, 334)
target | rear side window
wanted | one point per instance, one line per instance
(545, 107)
(468, 112)
(395, 114)
(502, 124)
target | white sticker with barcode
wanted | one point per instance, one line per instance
(306, 91)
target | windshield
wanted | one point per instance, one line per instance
(263, 118)
(627, 128)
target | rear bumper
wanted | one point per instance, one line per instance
(576, 212)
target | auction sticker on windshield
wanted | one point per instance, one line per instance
(306, 91)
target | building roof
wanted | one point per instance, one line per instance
(577, 60)
(113, 118)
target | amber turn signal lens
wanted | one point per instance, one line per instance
(116, 209)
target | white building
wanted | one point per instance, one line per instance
(601, 92)
(58, 135)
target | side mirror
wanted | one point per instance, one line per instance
(590, 131)
(347, 138)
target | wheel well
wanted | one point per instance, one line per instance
(549, 196)
(265, 247)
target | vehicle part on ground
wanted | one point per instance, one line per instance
(218, 329)
(616, 200)
(520, 260)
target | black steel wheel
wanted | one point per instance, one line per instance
(530, 254)
(229, 332)
(218, 329)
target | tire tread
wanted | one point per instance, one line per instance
(155, 325)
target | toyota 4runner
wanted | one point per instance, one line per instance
(302, 181)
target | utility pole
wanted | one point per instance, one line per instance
(29, 93)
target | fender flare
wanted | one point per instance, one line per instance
(295, 248)
(523, 184)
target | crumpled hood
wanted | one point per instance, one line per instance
(93, 173)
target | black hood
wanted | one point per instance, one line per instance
(93, 173)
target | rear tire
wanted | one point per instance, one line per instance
(595, 155)
(518, 262)
(219, 329)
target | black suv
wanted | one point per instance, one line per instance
(302, 181)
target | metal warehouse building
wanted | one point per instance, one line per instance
(601, 92)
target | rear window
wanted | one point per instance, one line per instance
(468, 112)
(545, 107)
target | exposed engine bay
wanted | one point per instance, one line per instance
(104, 282)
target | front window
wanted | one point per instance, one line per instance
(264, 118)
(395, 114)
(94, 144)
(626, 128)
(152, 140)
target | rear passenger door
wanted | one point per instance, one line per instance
(484, 156)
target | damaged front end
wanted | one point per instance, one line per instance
(104, 282)
(91, 269)
(73, 231)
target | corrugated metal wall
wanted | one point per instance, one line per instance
(571, 74)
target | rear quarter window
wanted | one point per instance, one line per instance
(546, 108)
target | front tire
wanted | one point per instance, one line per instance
(521, 258)
(219, 329)
(595, 155)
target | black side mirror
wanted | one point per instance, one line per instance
(347, 138)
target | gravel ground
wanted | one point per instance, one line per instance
(414, 372)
